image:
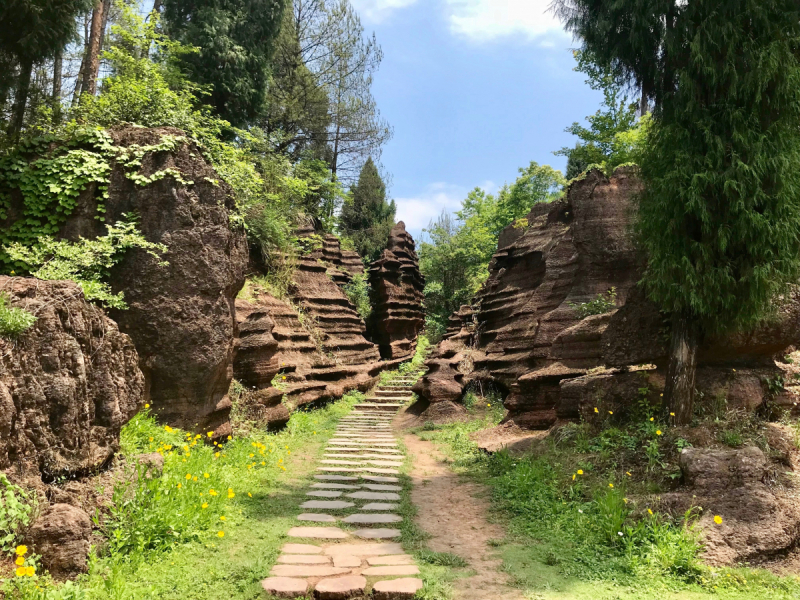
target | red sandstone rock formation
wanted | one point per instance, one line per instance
(311, 345)
(180, 317)
(532, 343)
(67, 385)
(397, 316)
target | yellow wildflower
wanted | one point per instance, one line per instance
(651, 419)
(210, 433)
(206, 475)
(580, 471)
(658, 432)
(573, 477)
(718, 520)
(20, 571)
(222, 518)
(649, 511)
(21, 550)
(229, 437)
(263, 464)
(221, 534)
(611, 485)
(20, 561)
(249, 495)
(284, 377)
(151, 439)
(204, 505)
(625, 500)
(628, 473)
(30, 571)
(671, 414)
(611, 412)
(194, 478)
(180, 485)
(595, 410)
(188, 476)
(147, 406)
(212, 492)
(216, 454)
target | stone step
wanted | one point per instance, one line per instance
(385, 406)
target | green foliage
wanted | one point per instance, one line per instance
(87, 262)
(17, 509)
(358, 291)
(366, 217)
(456, 257)
(13, 321)
(601, 304)
(240, 35)
(613, 137)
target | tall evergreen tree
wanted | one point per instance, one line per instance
(32, 31)
(720, 215)
(235, 41)
(367, 218)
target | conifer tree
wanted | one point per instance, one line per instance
(234, 41)
(367, 218)
(720, 214)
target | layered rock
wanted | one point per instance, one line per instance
(67, 385)
(309, 347)
(533, 344)
(180, 317)
(397, 315)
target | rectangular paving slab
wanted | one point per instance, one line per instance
(379, 479)
(364, 549)
(377, 534)
(319, 533)
(336, 486)
(304, 559)
(326, 505)
(324, 493)
(316, 518)
(335, 478)
(380, 506)
(301, 549)
(382, 561)
(372, 519)
(374, 487)
(374, 496)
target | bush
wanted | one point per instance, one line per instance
(602, 304)
(17, 508)
(13, 321)
(359, 292)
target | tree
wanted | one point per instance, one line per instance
(367, 218)
(720, 214)
(32, 31)
(333, 47)
(603, 143)
(96, 33)
(235, 41)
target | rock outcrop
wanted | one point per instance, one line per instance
(532, 341)
(67, 385)
(61, 536)
(397, 316)
(307, 348)
(180, 317)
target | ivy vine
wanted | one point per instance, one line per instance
(50, 173)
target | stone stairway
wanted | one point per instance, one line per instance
(347, 551)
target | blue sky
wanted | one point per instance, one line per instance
(474, 89)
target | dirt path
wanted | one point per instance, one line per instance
(454, 512)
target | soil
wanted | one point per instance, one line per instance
(453, 511)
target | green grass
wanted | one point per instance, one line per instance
(581, 539)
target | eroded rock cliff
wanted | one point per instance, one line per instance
(67, 385)
(397, 316)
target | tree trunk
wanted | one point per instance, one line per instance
(57, 69)
(679, 389)
(157, 6)
(92, 65)
(20, 99)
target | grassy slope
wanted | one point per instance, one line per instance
(555, 549)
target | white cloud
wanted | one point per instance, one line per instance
(378, 10)
(484, 20)
(418, 211)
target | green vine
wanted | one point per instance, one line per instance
(51, 172)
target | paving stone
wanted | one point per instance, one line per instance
(328, 456)
(396, 589)
(396, 458)
(377, 534)
(326, 505)
(324, 493)
(340, 588)
(380, 479)
(319, 533)
(380, 506)
(304, 559)
(382, 488)
(306, 571)
(392, 570)
(336, 486)
(365, 549)
(301, 549)
(316, 517)
(285, 587)
(373, 519)
(338, 469)
(397, 559)
(354, 463)
(346, 560)
(382, 471)
(374, 496)
(384, 463)
(335, 478)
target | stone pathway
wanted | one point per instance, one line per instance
(344, 545)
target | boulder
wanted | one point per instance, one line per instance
(397, 315)
(180, 317)
(67, 385)
(61, 536)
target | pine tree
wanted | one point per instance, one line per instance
(367, 218)
(234, 41)
(720, 215)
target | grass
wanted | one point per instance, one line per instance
(163, 544)
(580, 528)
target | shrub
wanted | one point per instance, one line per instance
(13, 321)
(17, 508)
(602, 304)
(359, 291)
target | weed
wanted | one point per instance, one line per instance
(13, 321)
(442, 559)
(17, 509)
(601, 304)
